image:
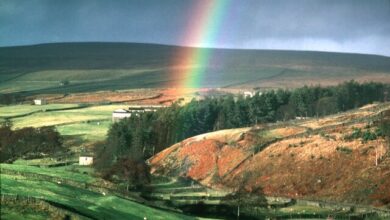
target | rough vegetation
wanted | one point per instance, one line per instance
(303, 159)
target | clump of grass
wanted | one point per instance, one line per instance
(367, 135)
(327, 136)
(345, 150)
(232, 143)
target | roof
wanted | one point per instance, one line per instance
(85, 156)
(121, 111)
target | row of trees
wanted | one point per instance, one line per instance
(28, 142)
(138, 138)
(8, 99)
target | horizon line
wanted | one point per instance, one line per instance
(189, 47)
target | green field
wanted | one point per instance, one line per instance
(112, 66)
(88, 203)
(88, 123)
(18, 110)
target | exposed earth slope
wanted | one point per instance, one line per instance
(310, 159)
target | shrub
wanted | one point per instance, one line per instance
(356, 133)
(345, 150)
(369, 136)
(31, 142)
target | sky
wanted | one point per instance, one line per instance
(356, 26)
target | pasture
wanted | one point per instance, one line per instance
(89, 123)
(83, 201)
(19, 110)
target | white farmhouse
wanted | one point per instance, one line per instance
(85, 160)
(39, 102)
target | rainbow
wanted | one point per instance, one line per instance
(202, 27)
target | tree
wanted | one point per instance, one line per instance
(28, 142)
(134, 172)
(326, 106)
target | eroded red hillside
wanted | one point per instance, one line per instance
(303, 159)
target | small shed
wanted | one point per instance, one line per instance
(85, 160)
(40, 102)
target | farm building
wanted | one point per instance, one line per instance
(133, 110)
(85, 160)
(249, 94)
(120, 114)
(40, 102)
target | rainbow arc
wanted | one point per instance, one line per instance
(203, 25)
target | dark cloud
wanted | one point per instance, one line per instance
(334, 25)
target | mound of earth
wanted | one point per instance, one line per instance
(310, 159)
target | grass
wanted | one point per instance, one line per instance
(112, 66)
(90, 123)
(66, 116)
(17, 110)
(84, 201)
(38, 162)
(94, 131)
(299, 211)
(60, 173)
(16, 213)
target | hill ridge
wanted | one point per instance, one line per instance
(95, 66)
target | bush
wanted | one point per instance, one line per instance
(134, 172)
(32, 142)
(345, 150)
(368, 136)
(364, 135)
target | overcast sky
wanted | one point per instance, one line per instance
(361, 26)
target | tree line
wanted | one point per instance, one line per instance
(141, 137)
(28, 142)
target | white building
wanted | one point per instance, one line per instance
(133, 110)
(39, 102)
(85, 160)
(120, 114)
(249, 94)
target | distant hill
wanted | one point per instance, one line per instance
(111, 66)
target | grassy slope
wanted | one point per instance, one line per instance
(107, 66)
(84, 201)
(17, 110)
(64, 117)
(68, 122)
(324, 171)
